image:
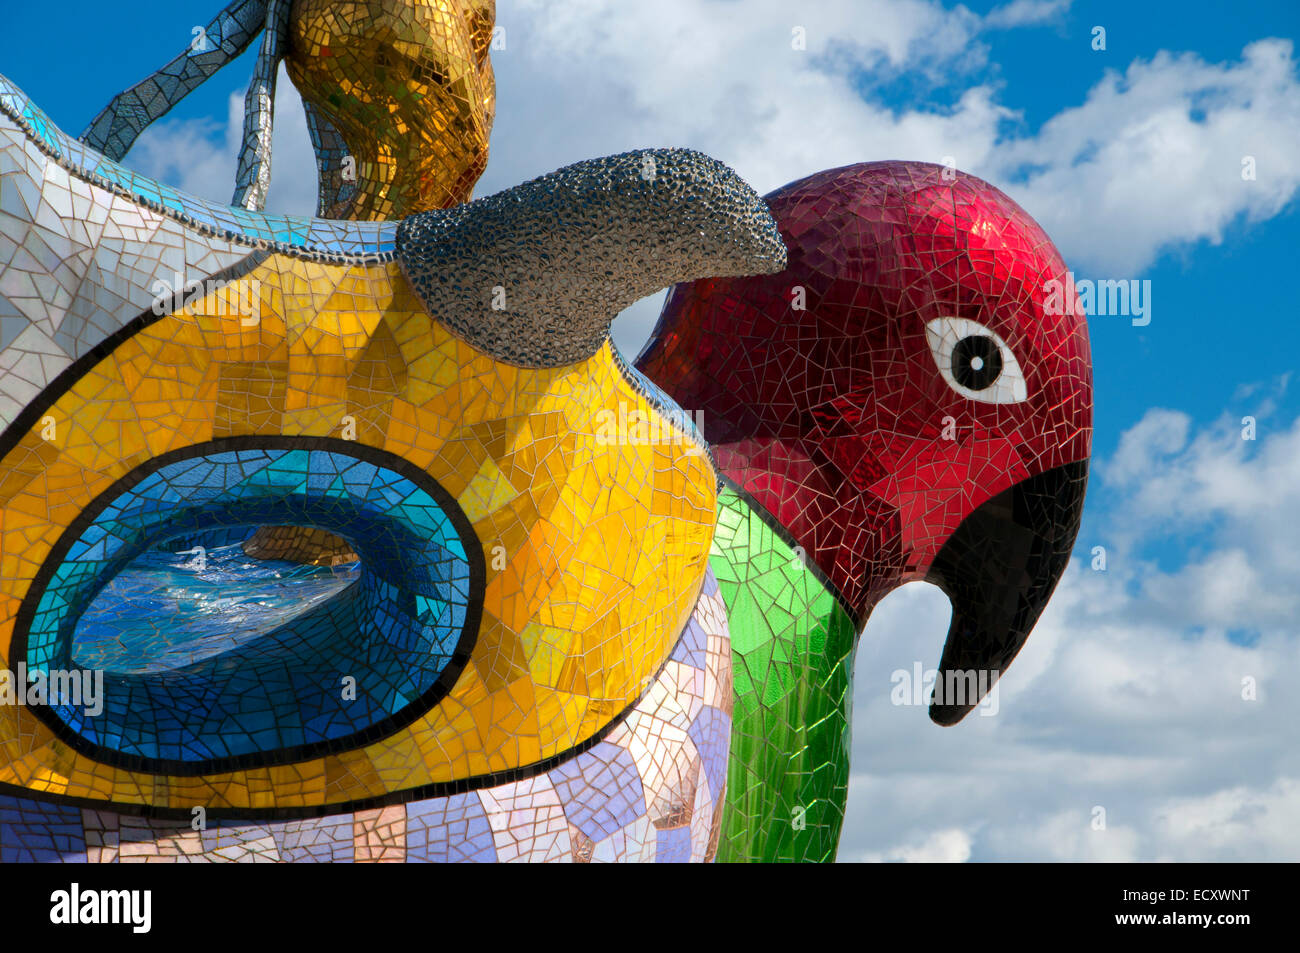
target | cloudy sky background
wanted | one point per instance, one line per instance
(1128, 696)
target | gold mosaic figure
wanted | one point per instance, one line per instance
(399, 96)
(410, 89)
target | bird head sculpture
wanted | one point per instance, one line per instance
(910, 399)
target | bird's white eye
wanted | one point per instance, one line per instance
(975, 362)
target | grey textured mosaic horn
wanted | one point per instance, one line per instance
(536, 275)
(533, 275)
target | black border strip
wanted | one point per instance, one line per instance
(62, 383)
(372, 733)
(65, 379)
(436, 789)
(787, 537)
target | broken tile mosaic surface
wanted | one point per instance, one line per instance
(532, 620)
(407, 616)
(520, 641)
(651, 790)
(224, 37)
(905, 401)
(417, 127)
(399, 97)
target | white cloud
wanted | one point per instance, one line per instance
(1234, 492)
(1068, 836)
(1141, 447)
(1237, 823)
(601, 76)
(200, 155)
(1025, 13)
(942, 847)
(1152, 160)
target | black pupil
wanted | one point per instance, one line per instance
(976, 362)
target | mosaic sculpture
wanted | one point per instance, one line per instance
(594, 652)
(399, 96)
(446, 578)
(901, 403)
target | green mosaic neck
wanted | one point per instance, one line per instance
(792, 654)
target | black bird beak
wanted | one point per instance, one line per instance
(999, 569)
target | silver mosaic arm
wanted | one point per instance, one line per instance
(535, 275)
(335, 190)
(116, 128)
(253, 178)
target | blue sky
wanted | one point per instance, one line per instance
(1130, 158)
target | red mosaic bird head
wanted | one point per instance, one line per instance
(911, 398)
